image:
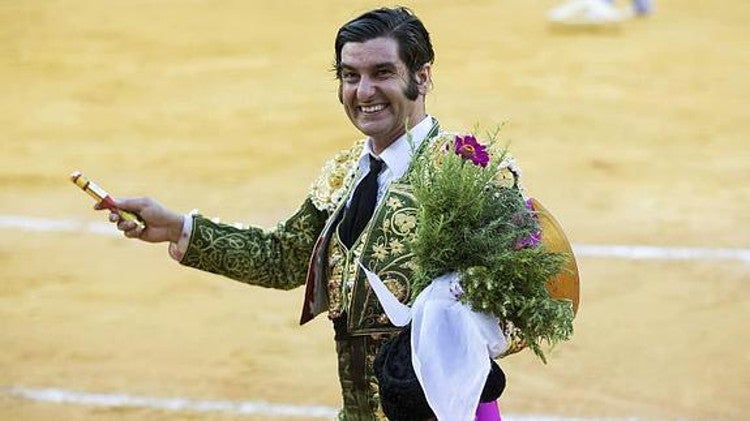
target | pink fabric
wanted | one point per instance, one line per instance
(488, 411)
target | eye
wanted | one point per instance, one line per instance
(349, 76)
(384, 73)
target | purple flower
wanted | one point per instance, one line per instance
(468, 148)
(530, 241)
(534, 238)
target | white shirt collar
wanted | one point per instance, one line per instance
(397, 156)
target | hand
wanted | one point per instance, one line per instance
(161, 223)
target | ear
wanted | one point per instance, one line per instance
(424, 78)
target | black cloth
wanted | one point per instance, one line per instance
(363, 203)
(339, 327)
(495, 384)
(401, 395)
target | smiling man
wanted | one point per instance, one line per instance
(380, 90)
(360, 210)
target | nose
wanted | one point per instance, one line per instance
(365, 89)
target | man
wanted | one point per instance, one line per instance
(597, 12)
(359, 210)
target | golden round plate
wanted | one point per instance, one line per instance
(566, 284)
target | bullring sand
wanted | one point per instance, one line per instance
(636, 134)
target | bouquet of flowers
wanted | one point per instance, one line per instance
(473, 222)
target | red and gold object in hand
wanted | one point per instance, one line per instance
(101, 196)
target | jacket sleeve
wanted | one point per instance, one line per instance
(276, 258)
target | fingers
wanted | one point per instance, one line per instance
(134, 233)
(123, 224)
(129, 228)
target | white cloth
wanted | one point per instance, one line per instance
(451, 344)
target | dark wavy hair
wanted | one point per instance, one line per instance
(399, 23)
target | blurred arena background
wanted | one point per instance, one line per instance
(635, 134)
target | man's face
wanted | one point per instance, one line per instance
(373, 85)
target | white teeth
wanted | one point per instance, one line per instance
(372, 108)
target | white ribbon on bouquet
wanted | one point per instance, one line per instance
(451, 344)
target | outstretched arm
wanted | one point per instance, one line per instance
(275, 258)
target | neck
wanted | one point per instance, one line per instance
(379, 145)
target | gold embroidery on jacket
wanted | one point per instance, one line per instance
(331, 187)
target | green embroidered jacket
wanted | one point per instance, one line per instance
(298, 251)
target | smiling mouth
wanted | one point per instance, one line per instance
(371, 109)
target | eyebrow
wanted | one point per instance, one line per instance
(385, 66)
(379, 66)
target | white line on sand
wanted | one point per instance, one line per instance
(121, 400)
(661, 253)
(635, 252)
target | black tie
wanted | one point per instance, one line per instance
(362, 206)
